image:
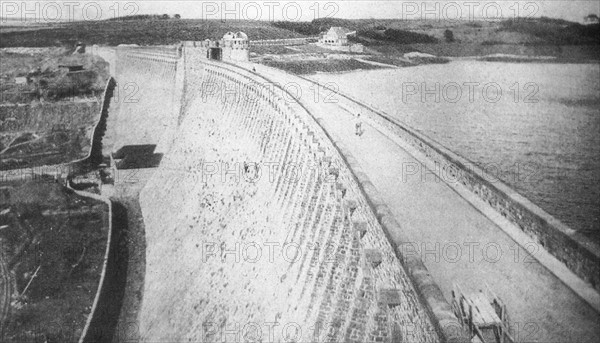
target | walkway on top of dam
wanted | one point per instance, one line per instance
(457, 241)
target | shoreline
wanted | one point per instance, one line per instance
(512, 58)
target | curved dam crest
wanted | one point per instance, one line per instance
(218, 256)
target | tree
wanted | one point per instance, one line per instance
(177, 16)
(449, 35)
(165, 16)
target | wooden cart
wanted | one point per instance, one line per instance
(483, 314)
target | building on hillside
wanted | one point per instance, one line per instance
(336, 35)
(590, 19)
(232, 47)
(337, 39)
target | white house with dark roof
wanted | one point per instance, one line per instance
(336, 35)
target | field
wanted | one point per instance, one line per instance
(311, 67)
(54, 243)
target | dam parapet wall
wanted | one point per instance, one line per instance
(254, 220)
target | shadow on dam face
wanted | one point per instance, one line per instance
(104, 324)
(137, 157)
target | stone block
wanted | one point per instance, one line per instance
(361, 228)
(351, 205)
(341, 188)
(390, 297)
(374, 257)
(320, 153)
(335, 172)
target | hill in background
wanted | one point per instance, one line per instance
(539, 36)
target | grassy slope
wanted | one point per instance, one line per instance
(142, 32)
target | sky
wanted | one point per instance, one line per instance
(305, 10)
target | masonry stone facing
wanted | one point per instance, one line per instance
(256, 227)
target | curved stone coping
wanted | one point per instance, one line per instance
(578, 253)
(164, 54)
(448, 327)
(283, 41)
(111, 54)
(151, 57)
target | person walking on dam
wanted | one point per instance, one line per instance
(358, 125)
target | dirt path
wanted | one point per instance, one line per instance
(457, 243)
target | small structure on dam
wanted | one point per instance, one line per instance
(232, 47)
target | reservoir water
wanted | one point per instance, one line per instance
(534, 126)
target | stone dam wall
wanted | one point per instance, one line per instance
(256, 228)
(146, 99)
(578, 253)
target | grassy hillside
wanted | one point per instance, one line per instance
(142, 32)
(555, 31)
(515, 36)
